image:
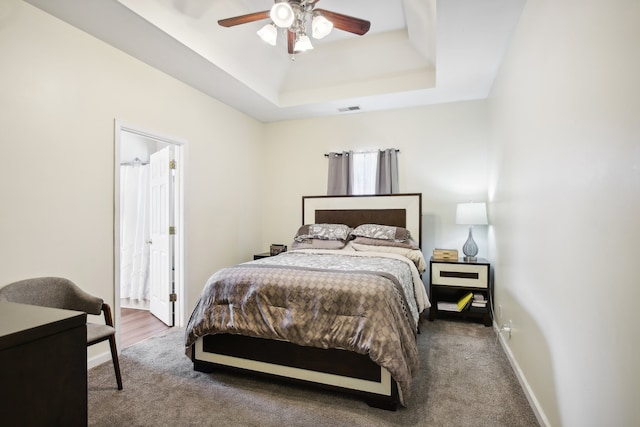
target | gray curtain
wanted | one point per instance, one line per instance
(387, 173)
(340, 176)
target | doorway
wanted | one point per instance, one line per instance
(148, 233)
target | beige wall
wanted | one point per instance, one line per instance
(565, 198)
(60, 93)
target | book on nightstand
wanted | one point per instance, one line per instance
(445, 254)
(465, 301)
(458, 306)
(478, 300)
(447, 306)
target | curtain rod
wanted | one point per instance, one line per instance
(373, 151)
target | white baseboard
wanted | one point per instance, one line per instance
(531, 397)
(98, 360)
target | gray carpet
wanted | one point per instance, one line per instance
(464, 380)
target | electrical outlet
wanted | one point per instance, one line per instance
(507, 327)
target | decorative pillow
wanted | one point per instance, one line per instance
(407, 244)
(318, 244)
(382, 232)
(323, 232)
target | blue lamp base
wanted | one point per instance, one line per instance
(470, 249)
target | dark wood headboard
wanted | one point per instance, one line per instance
(356, 217)
(399, 210)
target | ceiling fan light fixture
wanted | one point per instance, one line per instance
(269, 34)
(303, 44)
(297, 18)
(282, 14)
(320, 26)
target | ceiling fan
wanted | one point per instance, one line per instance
(293, 16)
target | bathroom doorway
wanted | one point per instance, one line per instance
(149, 237)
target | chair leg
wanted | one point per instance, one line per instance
(116, 363)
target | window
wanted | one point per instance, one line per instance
(358, 173)
(363, 170)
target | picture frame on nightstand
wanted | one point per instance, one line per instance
(276, 249)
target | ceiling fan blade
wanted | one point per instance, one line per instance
(346, 23)
(291, 41)
(244, 19)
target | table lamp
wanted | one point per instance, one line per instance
(471, 214)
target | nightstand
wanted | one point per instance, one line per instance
(262, 255)
(452, 279)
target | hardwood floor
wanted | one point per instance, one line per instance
(137, 325)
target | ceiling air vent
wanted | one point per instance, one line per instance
(347, 109)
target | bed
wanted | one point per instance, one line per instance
(341, 318)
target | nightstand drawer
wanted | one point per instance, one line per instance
(465, 275)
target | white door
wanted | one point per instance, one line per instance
(161, 242)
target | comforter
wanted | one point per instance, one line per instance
(360, 302)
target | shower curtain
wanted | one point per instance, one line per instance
(134, 231)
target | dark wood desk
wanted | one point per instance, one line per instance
(43, 366)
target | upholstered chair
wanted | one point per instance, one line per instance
(62, 293)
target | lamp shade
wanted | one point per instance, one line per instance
(282, 14)
(320, 26)
(303, 44)
(471, 214)
(269, 34)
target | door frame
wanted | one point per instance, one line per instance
(180, 146)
